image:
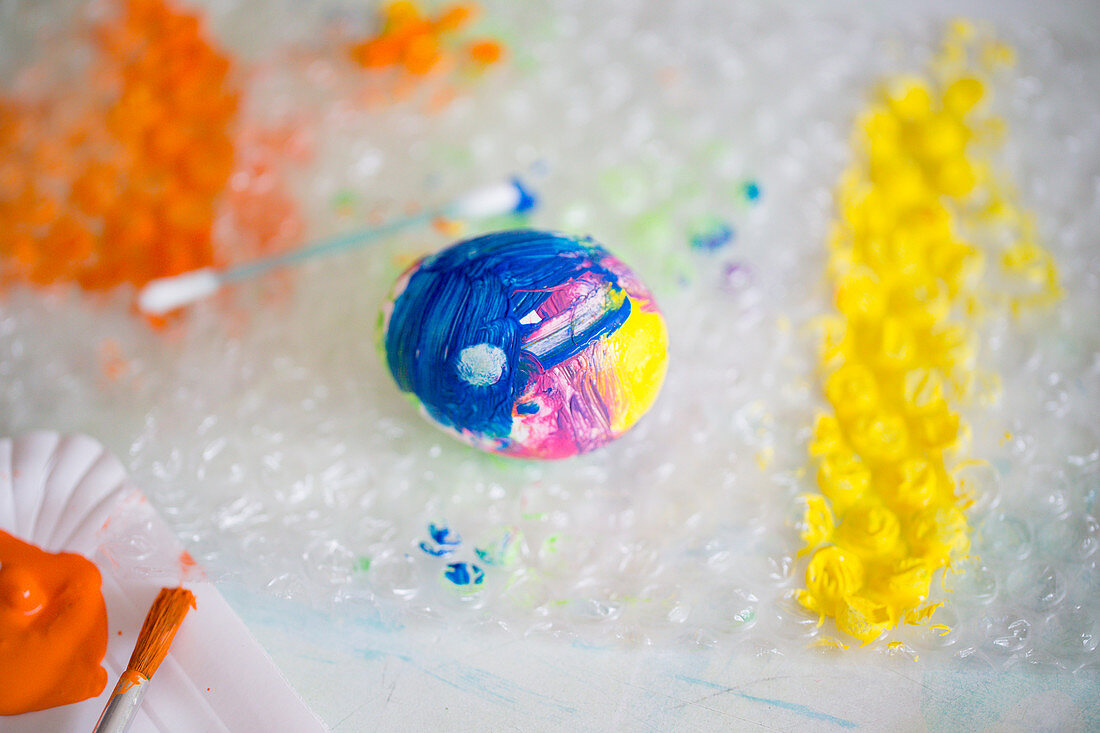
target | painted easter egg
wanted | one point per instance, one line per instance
(527, 343)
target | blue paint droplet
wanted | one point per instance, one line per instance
(444, 541)
(527, 408)
(443, 535)
(527, 199)
(461, 573)
(752, 191)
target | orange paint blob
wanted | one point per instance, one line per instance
(53, 628)
(486, 52)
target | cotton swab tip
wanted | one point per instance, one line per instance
(510, 197)
(168, 293)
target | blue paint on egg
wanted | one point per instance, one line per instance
(527, 343)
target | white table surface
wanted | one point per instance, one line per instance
(358, 677)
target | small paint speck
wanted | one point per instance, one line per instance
(188, 566)
(343, 201)
(443, 541)
(461, 573)
(502, 547)
(736, 276)
(550, 545)
(362, 564)
(752, 191)
(711, 234)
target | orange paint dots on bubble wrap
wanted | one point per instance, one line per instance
(419, 45)
(53, 628)
(898, 354)
(117, 182)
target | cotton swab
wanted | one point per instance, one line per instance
(160, 627)
(168, 293)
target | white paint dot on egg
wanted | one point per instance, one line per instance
(481, 365)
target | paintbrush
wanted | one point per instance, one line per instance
(168, 293)
(161, 623)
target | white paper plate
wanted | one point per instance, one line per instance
(68, 493)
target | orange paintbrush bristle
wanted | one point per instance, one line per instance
(160, 627)
(161, 623)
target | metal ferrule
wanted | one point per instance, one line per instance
(123, 706)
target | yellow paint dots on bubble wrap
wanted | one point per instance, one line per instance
(901, 353)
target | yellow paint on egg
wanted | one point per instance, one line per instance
(640, 346)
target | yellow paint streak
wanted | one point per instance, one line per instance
(640, 348)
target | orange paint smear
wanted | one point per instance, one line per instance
(189, 569)
(128, 680)
(53, 628)
(186, 561)
(259, 207)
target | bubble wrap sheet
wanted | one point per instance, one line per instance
(270, 436)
